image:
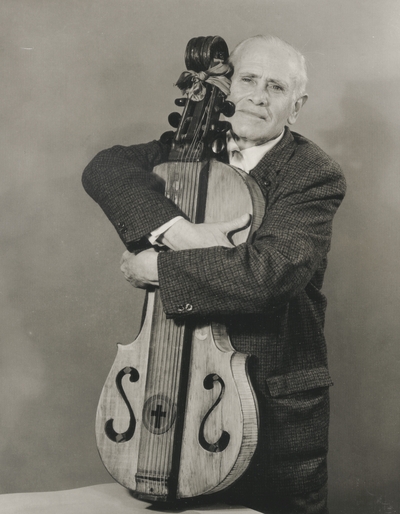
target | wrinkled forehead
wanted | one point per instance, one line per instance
(266, 58)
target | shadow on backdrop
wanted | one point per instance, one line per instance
(363, 285)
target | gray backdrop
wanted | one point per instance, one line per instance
(81, 75)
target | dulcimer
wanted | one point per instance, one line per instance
(177, 416)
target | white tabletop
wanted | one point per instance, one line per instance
(96, 499)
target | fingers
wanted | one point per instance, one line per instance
(124, 264)
(125, 257)
(140, 269)
(124, 267)
(235, 224)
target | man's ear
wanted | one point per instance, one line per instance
(296, 109)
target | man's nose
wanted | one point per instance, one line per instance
(259, 96)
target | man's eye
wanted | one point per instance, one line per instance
(275, 87)
(246, 79)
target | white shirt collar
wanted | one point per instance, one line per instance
(248, 158)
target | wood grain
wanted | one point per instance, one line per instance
(196, 419)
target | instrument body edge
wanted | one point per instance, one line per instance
(201, 471)
(178, 416)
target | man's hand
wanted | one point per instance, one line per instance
(141, 269)
(184, 235)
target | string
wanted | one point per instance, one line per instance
(169, 336)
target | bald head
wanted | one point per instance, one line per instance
(295, 59)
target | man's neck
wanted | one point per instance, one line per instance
(244, 143)
(247, 158)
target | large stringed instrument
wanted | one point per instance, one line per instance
(177, 417)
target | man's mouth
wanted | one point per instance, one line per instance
(262, 116)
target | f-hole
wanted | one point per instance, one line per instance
(223, 441)
(123, 437)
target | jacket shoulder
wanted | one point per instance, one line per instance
(309, 160)
(307, 151)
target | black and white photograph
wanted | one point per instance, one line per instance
(200, 286)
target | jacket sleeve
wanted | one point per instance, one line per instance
(289, 246)
(121, 181)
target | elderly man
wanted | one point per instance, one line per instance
(269, 290)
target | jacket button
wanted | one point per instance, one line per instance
(267, 183)
(184, 308)
(122, 227)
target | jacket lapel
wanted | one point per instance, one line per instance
(266, 171)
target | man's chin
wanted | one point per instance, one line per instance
(253, 136)
(249, 126)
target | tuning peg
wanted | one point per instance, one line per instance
(174, 119)
(218, 145)
(223, 126)
(228, 109)
(181, 102)
(167, 137)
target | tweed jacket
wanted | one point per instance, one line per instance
(268, 292)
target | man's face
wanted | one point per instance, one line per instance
(262, 90)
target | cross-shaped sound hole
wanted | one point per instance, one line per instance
(158, 414)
